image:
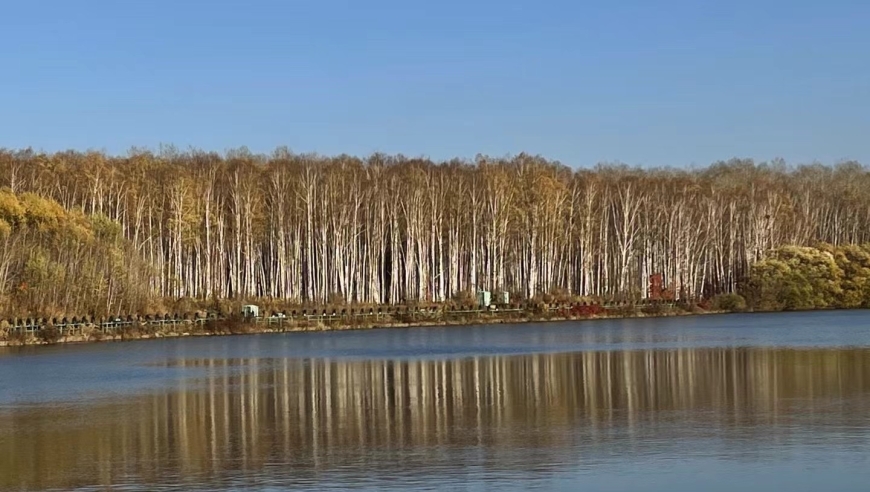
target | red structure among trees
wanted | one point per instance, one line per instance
(655, 286)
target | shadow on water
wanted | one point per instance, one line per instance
(494, 420)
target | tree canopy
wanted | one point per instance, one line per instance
(58, 261)
(793, 277)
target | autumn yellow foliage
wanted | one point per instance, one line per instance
(55, 261)
(822, 277)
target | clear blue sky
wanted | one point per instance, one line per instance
(668, 82)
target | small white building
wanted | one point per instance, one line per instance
(484, 297)
(250, 311)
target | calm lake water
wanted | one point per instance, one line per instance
(736, 402)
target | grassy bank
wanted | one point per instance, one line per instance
(224, 327)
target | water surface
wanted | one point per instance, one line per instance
(737, 402)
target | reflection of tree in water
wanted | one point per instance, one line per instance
(339, 416)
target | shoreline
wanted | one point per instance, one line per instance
(247, 328)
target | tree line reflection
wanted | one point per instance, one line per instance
(311, 416)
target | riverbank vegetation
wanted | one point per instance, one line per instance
(54, 260)
(89, 233)
(822, 277)
(50, 331)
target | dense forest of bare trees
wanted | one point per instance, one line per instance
(390, 229)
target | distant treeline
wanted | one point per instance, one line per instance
(89, 232)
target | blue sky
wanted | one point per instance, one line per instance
(643, 82)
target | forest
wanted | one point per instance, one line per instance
(88, 232)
